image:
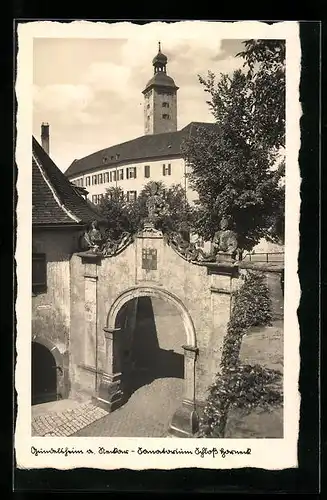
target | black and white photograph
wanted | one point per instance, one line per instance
(162, 220)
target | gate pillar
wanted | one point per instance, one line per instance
(110, 392)
(185, 421)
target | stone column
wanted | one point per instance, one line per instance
(90, 328)
(110, 394)
(90, 340)
(185, 421)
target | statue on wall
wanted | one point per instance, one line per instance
(155, 204)
(94, 238)
(224, 242)
(114, 246)
(105, 245)
(189, 251)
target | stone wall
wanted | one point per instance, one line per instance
(51, 309)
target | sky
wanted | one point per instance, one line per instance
(90, 90)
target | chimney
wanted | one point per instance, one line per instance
(45, 139)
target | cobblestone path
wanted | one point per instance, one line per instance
(146, 414)
(66, 422)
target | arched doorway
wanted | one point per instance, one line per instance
(151, 342)
(44, 374)
(152, 338)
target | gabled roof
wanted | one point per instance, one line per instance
(145, 147)
(55, 200)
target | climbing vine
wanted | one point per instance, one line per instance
(239, 385)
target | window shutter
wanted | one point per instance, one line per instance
(147, 171)
(134, 172)
(39, 273)
(169, 169)
(127, 173)
(163, 169)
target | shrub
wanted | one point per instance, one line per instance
(238, 385)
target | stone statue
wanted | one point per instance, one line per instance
(114, 246)
(94, 238)
(155, 204)
(189, 251)
(224, 241)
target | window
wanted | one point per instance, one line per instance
(110, 176)
(114, 175)
(121, 174)
(148, 105)
(131, 195)
(94, 179)
(88, 181)
(165, 104)
(106, 177)
(166, 169)
(100, 179)
(146, 170)
(94, 198)
(131, 173)
(39, 273)
(165, 117)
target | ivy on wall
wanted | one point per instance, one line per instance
(238, 385)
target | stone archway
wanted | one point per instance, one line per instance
(47, 371)
(184, 422)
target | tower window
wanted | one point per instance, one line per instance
(165, 117)
(146, 170)
(148, 105)
(165, 104)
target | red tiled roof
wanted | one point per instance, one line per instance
(55, 200)
(145, 147)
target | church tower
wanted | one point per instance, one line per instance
(160, 99)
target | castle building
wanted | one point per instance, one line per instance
(155, 156)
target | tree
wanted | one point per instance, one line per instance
(234, 163)
(178, 214)
(122, 215)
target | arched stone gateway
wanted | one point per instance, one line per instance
(148, 266)
(187, 414)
